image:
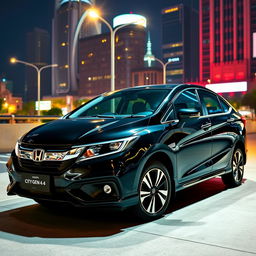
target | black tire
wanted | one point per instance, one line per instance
(235, 177)
(154, 190)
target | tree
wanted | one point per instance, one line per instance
(1, 104)
(78, 103)
(28, 108)
(235, 102)
(249, 99)
(53, 112)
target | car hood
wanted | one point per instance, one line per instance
(84, 130)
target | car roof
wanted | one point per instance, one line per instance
(165, 86)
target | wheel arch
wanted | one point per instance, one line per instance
(162, 155)
(164, 159)
(241, 145)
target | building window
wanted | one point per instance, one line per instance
(136, 79)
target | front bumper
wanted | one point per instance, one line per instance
(85, 192)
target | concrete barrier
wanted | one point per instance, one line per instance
(9, 133)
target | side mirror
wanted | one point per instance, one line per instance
(188, 112)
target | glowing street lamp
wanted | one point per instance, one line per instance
(164, 65)
(38, 70)
(93, 13)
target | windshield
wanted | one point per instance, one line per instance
(123, 103)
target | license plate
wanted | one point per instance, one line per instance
(35, 182)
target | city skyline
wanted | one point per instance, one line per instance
(30, 16)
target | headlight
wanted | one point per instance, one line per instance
(58, 156)
(105, 148)
(16, 149)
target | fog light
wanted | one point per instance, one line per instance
(107, 189)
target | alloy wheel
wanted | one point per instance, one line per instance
(154, 191)
(238, 166)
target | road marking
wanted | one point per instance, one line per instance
(5, 156)
(3, 162)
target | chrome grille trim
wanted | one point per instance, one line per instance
(52, 155)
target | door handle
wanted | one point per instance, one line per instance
(230, 120)
(206, 126)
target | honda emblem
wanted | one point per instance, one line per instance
(38, 155)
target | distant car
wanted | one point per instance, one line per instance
(131, 148)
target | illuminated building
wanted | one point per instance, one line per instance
(38, 53)
(67, 15)
(253, 33)
(10, 104)
(147, 76)
(94, 67)
(228, 43)
(149, 57)
(180, 43)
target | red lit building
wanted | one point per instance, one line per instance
(226, 40)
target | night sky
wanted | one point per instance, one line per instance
(17, 17)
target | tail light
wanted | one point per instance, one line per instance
(243, 119)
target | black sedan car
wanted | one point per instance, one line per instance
(131, 148)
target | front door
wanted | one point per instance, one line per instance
(190, 138)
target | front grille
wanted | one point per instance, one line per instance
(56, 147)
(47, 167)
(26, 164)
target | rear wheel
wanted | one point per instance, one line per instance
(154, 190)
(235, 177)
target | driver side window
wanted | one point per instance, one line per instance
(187, 100)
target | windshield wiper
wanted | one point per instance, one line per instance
(132, 116)
(104, 116)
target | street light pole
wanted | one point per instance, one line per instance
(39, 83)
(74, 45)
(94, 14)
(164, 65)
(113, 50)
(38, 70)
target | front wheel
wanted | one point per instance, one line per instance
(235, 177)
(154, 191)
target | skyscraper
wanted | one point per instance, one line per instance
(149, 74)
(227, 40)
(94, 69)
(67, 15)
(253, 33)
(38, 52)
(180, 42)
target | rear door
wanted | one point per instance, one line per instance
(222, 137)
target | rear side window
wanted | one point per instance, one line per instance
(210, 102)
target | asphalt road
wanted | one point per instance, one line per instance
(3, 159)
(206, 219)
